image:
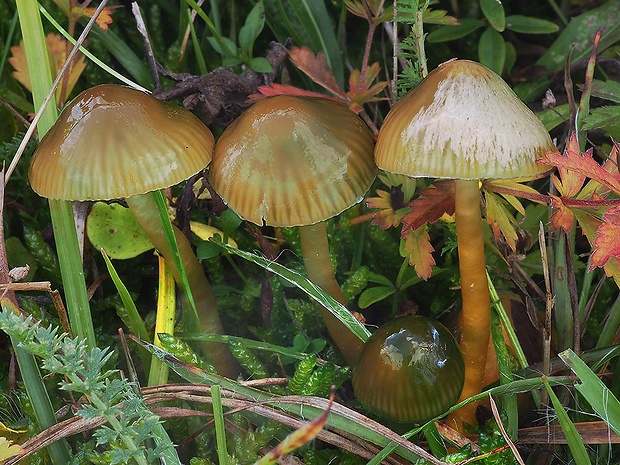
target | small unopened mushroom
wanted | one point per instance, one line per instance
(115, 142)
(411, 370)
(298, 161)
(463, 122)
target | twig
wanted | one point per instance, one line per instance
(498, 419)
(135, 9)
(548, 307)
(63, 70)
(14, 112)
(44, 286)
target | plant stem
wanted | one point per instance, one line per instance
(317, 261)
(476, 312)
(419, 38)
(116, 425)
(146, 213)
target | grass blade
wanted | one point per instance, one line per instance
(218, 418)
(303, 283)
(575, 442)
(602, 400)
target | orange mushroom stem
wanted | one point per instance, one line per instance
(475, 317)
(317, 261)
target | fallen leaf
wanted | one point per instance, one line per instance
(297, 438)
(432, 203)
(417, 244)
(316, 67)
(57, 48)
(589, 226)
(8, 449)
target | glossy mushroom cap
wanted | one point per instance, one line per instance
(462, 122)
(292, 161)
(114, 142)
(411, 370)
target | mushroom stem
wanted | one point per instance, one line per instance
(146, 213)
(317, 261)
(476, 312)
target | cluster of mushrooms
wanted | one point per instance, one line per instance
(298, 161)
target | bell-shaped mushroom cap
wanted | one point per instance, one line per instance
(291, 161)
(114, 142)
(462, 122)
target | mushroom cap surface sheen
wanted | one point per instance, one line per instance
(292, 161)
(114, 142)
(462, 122)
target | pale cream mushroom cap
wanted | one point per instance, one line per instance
(463, 122)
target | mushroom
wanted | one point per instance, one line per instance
(115, 142)
(410, 370)
(463, 122)
(298, 161)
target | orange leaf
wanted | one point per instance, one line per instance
(575, 168)
(562, 217)
(57, 49)
(432, 204)
(606, 242)
(297, 438)
(418, 246)
(316, 67)
(103, 20)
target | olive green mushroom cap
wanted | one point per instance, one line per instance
(292, 161)
(462, 122)
(114, 142)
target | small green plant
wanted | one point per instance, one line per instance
(131, 426)
(241, 53)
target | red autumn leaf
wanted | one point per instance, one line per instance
(574, 168)
(281, 89)
(316, 67)
(589, 226)
(418, 246)
(432, 203)
(606, 242)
